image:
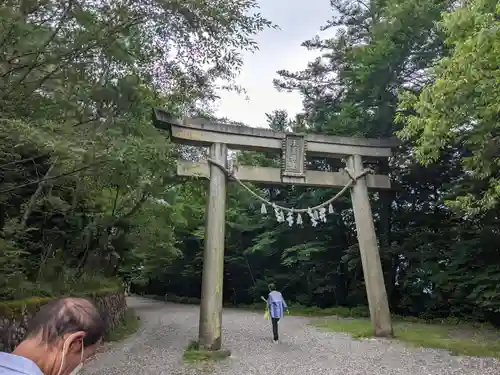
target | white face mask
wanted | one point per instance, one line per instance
(77, 368)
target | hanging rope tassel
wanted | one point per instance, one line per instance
(313, 212)
(280, 217)
(322, 214)
(315, 215)
(299, 219)
(277, 213)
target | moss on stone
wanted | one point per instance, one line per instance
(17, 308)
(12, 309)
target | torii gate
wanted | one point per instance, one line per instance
(293, 147)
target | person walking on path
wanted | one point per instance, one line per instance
(276, 305)
(60, 338)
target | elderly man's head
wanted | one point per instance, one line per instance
(62, 335)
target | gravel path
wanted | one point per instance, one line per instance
(167, 328)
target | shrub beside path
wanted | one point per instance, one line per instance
(166, 330)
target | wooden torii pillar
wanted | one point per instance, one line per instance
(293, 148)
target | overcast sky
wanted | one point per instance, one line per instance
(278, 49)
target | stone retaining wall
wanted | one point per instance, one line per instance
(14, 315)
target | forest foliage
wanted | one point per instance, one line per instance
(88, 192)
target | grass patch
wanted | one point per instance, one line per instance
(457, 339)
(314, 311)
(128, 327)
(195, 354)
(295, 309)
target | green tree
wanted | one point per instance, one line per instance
(460, 109)
(81, 165)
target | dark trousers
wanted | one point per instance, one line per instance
(275, 321)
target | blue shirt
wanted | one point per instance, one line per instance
(11, 364)
(276, 304)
